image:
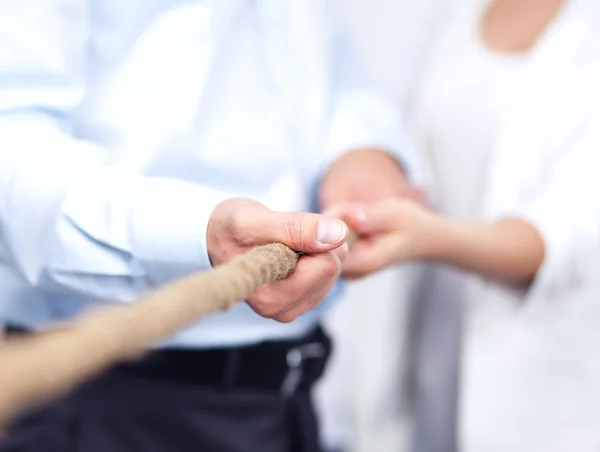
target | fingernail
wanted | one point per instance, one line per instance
(330, 232)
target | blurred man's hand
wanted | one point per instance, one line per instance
(363, 175)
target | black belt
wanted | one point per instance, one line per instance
(285, 366)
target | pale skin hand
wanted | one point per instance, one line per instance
(395, 230)
(237, 225)
(364, 175)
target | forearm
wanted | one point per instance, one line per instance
(509, 250)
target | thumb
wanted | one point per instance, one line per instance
(302, 232)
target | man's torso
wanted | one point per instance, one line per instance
(192, 91)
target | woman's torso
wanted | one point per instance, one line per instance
(525, 380)
(464, 102)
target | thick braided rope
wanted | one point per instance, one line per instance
(36, 369)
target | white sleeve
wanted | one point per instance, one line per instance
(68, 221)
(565, 209)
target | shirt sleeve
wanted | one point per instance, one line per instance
(69, 221)
(564, 207)
(362, 116)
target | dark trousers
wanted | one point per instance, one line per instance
(253, 399)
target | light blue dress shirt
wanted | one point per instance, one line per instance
(123, 123)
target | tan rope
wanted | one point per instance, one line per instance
(34, 370)
(37, 368)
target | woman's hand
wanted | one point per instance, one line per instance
(508, 250)
(391, 231)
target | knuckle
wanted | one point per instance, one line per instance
(241, 236)
(287, 317)
(239, 229)
(265, 308)
(268, 312)
(294, 231)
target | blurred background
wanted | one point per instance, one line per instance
(367, 401)
(366, 397)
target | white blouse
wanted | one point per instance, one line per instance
(464, 99)
(515, 135)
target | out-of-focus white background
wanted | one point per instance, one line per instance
(364, 399)
(394, 37)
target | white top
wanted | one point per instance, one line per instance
(124, 123)
(465, 98)
(529, 367)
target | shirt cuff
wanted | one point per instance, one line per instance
(170, 222)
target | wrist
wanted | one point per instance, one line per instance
(457, 242)
(442, 238)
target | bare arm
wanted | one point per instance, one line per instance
(509, 250)
(401, 230)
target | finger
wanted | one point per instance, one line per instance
(303, 306)
(372, 255)
(340, 210)
(368, 218)
(382, 217)
(303, 232)
(313, 273)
